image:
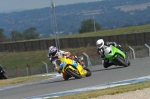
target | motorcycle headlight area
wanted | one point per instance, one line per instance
(107, 50)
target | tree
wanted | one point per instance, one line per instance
(2, 36)
(15, 35)
(30, 33)
(88, 26)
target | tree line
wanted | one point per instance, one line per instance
(89, 25)
(15, 35)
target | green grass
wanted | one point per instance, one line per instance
(32, 58)
(21, 80)
(117, 31)
(107, 91)
(20, 59)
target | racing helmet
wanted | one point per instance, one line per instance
(100, 43)
(52, 49)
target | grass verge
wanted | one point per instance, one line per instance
(21, 80)
(108, 91)
(116, 31)
(33, 58)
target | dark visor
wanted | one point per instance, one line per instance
(99, 45)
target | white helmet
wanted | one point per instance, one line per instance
(100, 43)
(52, 49)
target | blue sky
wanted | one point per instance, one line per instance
(16, 5)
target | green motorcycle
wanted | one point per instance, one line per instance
(116, 56)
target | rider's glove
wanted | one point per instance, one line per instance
(119, 45)
(75, 56)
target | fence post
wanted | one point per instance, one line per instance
(88, 59)
(148, 48)
(133, 52)
(46, 66)
(17, 72)
(5, 69)
(28, 70)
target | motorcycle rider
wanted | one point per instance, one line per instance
(53, 55)
(101, 45)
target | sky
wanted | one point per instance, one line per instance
(18, 5)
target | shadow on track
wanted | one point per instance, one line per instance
(57, 81)
(107, 69)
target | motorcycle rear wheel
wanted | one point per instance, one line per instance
(3, 76)
(73, 73)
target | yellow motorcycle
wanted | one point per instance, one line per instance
(71, 68)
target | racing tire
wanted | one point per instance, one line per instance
(4, 76)
(119, 59)
(73, 73)
(89, 73)
(129, 63)
(106, 65)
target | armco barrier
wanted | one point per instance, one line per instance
(134, 39)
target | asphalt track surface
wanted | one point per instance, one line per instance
(138, 68)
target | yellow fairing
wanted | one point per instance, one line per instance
(80, 69)
(64, 69)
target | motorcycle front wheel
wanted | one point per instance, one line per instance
(89, 73)
(120, 60)
(73, 73)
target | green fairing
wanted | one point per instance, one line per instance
(114, 53)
